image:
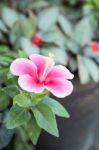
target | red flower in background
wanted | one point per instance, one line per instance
(95, 47)
(37, 40)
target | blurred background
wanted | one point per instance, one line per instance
(69, 29)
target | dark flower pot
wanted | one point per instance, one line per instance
(81, 130)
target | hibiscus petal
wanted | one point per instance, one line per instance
(27, 83)
(39, 61)
(22, 66)
(59, 72)
(42, 62)
(60, 88)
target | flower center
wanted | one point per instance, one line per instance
(48, 64)
(49, 60)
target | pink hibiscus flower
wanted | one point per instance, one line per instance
(39, 73)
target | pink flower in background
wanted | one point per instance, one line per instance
(39, 73)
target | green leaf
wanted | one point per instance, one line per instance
(9, 16)
(38, 4)
(97, 60)
(60, 55)
(1, 117)
(3, 49)
(23, 28)
(4, 60)
(17, 116)
(56, 107)
(89, 53)
(54, 36)
(4, 100)
(22, 54)
(28, 46)
(93, 68)
(3, 71)
(83, 36)
(82, 70)
(28, 26)
(3, 27)
(92, 4)
(11, 90)
(47, 18)
(19, 144)
(73, 46)
(65, 25)
(33, 130)
(73, 64)
(46, 119)
(38, 97)
(29, 100)
(31, 4)
(21, 132)
(23, 100)
(12, 81)
(1, 35)
(73, 2)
